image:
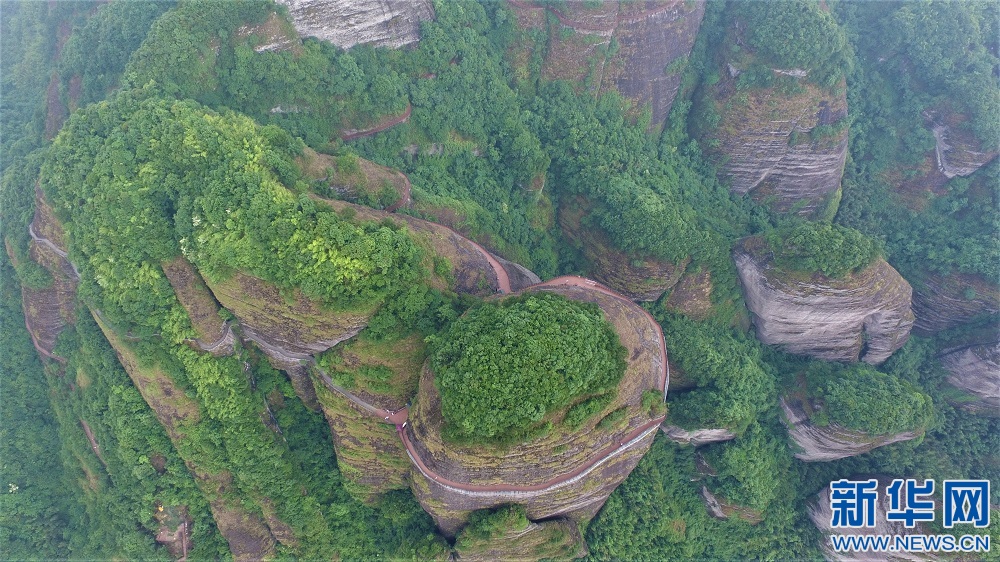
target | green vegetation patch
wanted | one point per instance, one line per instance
(502, 367)
(831, 249)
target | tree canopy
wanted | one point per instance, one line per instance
(503, 366)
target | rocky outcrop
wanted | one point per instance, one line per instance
(957, 151)
(941, 302)
(865, 315)
(289, 330)
(769, 146)
(214, 334)
(48, 310)
(346, 23)
(636, 48)
(638, 279)
(451, 480)
(720, 509)
(830, 442)
(520, 277)
(976, 370)
(557, 539)
(697, 437)
(692, 295)
(821, 513)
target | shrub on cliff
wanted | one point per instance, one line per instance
(503, 366)
(830, 249)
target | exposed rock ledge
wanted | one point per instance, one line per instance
(833, 441)
(976, 369)
(864, 315)
(697, 437)
(346, 23)
(956, 150)
(941, 302)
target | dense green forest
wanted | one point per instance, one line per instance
(159, 130)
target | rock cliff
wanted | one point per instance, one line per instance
(636, 48)
(346, 23)
(249, 537)
(821, 514)
(831, 442)
(865, 315)
(48, 310)
(769, 146)
(558, 539)
(941, 302)
(976, 370)
(638, 279)
(562, 473)
(697, 437)
(957, 151)
(214, 335)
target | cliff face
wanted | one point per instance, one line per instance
(214, 335)
(563, 473)
(822, 516)
(638, 279)
(976, 370)
(697, 437)
(558, 539)
(864, 316)
(345, 23)
(941, 302)
(769, 146)
(957, 151)
(47, 311)
(832, 442)
(635, 48)
(249, 537)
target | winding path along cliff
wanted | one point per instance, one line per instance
(453, 480)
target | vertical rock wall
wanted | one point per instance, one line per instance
(346, 23)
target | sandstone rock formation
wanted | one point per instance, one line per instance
(557, 539)
(957, 151)
(638, 279)
(635, 48)
(346, 23)
(214, 335)
(821, 513)
(831, 442)
(864, 316)
(720, 509)
(976, 370)
(767, 150)
(941, 302)
(48, 310)
(697, 437)
(450, 480)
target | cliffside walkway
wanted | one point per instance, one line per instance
(399, 417)
(352, 134)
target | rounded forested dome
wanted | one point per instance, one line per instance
(503, 366)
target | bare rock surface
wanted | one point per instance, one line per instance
(697, 437)
(635, 48)
(957, 151)
(831, 442)
(976, 370)
(767, 150)
(346, 23)
(821, 513)
(941, 302)
(865, 315)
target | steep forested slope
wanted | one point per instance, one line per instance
(197, 210)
